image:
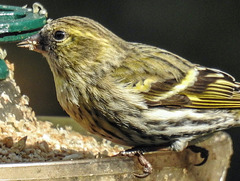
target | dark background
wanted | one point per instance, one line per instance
(205, 32)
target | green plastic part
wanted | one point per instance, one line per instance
(18, 23)
(3, 70)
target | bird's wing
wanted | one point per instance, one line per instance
(200, 88)
(181, 84)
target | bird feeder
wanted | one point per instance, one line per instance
(18, 23)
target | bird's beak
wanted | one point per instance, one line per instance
(33, 43)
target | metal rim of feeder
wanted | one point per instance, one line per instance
(18, 23)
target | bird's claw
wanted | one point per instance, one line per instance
(203, 153)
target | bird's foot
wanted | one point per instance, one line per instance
(147, 167)
(203, 153)
(139, 151)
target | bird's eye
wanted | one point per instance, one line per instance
(59, 35)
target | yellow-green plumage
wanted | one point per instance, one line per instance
(131, 93)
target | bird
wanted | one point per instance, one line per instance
(134, 94)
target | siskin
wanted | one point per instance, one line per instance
(131, 93)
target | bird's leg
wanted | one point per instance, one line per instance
(139, 151)
(203, 153)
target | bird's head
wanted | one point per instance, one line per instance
(74, 40)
